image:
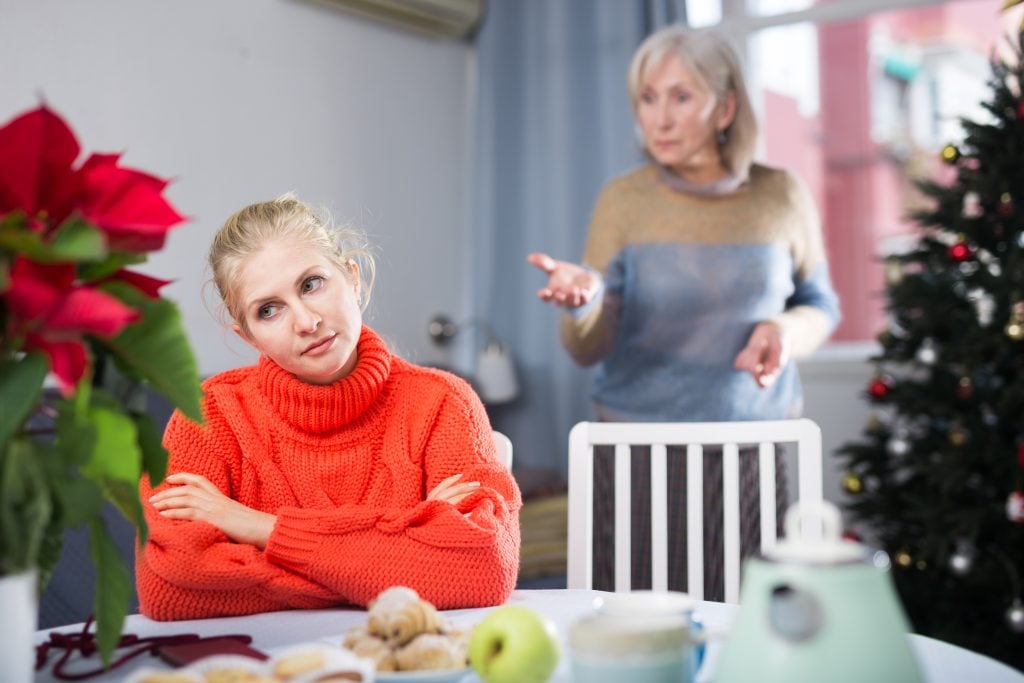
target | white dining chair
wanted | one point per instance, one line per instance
(503, 446)
(694, 436)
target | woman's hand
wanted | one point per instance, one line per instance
(765, 355)
(569, 285)
(452, 490)
(195, 498)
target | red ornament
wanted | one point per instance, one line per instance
(880, 386)
(960, 252)
(1020, 455)
(1015, 507)
(1020, 109)
(964, 388)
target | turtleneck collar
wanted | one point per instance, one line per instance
(315, 408)
(725, 185)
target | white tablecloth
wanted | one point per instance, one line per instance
(940, 662)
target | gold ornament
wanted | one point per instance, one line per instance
(852, 483)
(893, 271)
(957, 436)
(950, 153)
(904, 559)
(1014, 330)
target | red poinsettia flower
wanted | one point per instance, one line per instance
(128, 205)
(150, 286)
(38, 178)
(53, 312)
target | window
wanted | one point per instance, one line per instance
(859, 101)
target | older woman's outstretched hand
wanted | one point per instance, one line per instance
(765, 355)
(569, 285)
(195, 498)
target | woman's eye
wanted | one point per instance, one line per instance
(266, 311)
(682, 97)
(311, 284)
(647, 98)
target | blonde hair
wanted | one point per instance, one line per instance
(288, 218)
(715, 63)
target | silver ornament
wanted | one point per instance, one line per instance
(1015, 617)
(897, 446)
(927, 354)
(962, 560)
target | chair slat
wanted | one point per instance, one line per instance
(659, 517)
(623, 518)
(766, 466)
(731, 520)
(695, 521)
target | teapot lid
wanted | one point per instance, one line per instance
(812, 536)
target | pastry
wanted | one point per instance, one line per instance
(363, 644)
(431, 651)
(290, 666)
(398, 615)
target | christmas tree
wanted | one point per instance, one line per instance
(937, 479)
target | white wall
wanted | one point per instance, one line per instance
(834, 381)
(241, 100)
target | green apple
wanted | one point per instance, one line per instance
(514, 644)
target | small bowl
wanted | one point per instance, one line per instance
(645, 604)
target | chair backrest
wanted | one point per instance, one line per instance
(503, 445)
(694, 436)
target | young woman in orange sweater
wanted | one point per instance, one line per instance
(331, 469)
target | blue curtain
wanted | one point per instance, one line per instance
(553, 124)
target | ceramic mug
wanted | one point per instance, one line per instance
(639, 637)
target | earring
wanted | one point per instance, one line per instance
(721, 137)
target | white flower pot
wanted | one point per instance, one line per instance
(18, 626)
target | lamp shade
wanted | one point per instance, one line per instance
(496, 375)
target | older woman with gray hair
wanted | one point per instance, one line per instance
(704, 274)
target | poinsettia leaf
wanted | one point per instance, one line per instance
(155, 348)
(21, 383)
(115, 261)
(74, 240)
(76, 435)
(115, 453)
(77, 240)
(27, 507)
(154, 455)
(113, 589)
(80, 499)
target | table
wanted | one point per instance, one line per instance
(940, 662)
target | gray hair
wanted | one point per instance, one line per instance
(715, 63)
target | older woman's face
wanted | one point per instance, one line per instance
(680, 119)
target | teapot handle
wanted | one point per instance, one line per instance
(813, 520)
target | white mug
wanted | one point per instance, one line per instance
(639, 637)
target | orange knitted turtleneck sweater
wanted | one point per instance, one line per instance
(346, 469)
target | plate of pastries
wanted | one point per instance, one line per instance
(404, 640)
(408, 640)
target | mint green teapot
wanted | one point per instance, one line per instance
(817, 608)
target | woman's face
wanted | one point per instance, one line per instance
(680, 119)
(301, 311)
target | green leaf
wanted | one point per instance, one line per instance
(154, 455)
(115, 454)
(5, 273)
(80, 500)
(113, 589)
(25, 506)
(74, 240)
(21, 382)
(156, 348)
(77, 240)
(114, 262)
